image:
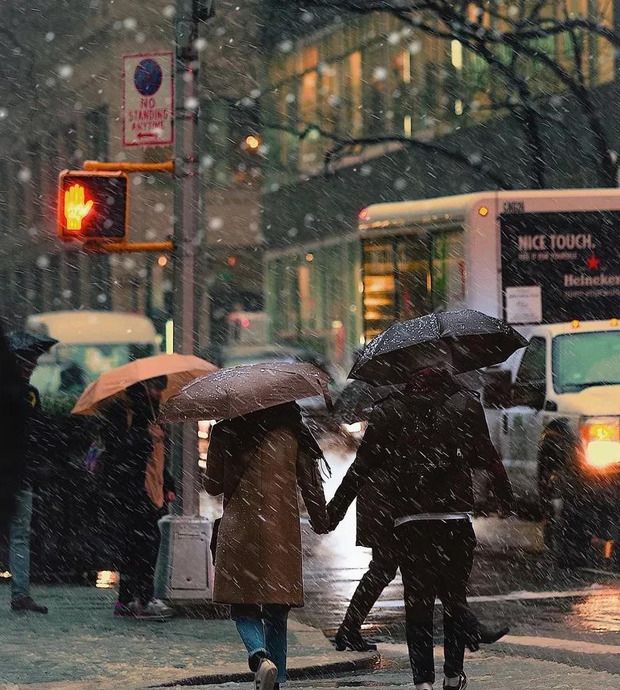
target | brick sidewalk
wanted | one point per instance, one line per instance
(80, 646)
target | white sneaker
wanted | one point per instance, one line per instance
(155, 610)
(266, 675)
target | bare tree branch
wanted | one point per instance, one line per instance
(344, 143)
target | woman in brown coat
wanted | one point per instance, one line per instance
(258, 462)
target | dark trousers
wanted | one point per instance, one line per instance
(137, 554)
(436, 559)
(381, 571)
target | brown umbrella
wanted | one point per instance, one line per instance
(241, 390)
(180, 369)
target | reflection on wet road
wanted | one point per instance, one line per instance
(553, 613)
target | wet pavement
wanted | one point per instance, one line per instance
(554, 614)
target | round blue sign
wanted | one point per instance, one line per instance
(148, 77)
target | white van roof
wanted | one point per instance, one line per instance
(97, 327)
(553, 329)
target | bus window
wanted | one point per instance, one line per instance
(413, 277)
(448, 270)
(379, 293)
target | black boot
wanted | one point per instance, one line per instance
(474, 637)
(353, 640)
(22, 604)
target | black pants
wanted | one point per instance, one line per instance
(137, 554)
(435, 560)
(381, 571)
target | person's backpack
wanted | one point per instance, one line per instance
(425, 454)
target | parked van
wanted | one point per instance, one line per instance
(89, 343)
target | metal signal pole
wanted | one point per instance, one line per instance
(185, 232)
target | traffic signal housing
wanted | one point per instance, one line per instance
(93, 207)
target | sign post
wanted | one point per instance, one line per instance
(184, 569)
(148, 99)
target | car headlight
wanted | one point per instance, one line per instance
(601, 442)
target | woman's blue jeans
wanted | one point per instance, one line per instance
(263, 629)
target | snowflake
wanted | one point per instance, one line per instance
(415, 47)
(65, 71)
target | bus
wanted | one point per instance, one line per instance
(529, 256)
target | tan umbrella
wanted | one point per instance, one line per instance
(241, 390)
(180, 370)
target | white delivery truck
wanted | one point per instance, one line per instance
(549, 263)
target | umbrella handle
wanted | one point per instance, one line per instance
(328, 398)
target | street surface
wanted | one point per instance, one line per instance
(555, 615)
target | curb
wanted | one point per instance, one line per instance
(301, 673)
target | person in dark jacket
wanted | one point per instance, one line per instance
(34, 458)
(135, 487)
(375, 530)
(430, 437)
(12, 431)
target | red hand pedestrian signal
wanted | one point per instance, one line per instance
(93, 206)
(76, 207)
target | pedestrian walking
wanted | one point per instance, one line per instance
(258, 461)
(135, 488)
(27, 349)
(429, 438)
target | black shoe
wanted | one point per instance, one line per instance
(483, 635)
(22, 603)
(353, 640)
(461, 686)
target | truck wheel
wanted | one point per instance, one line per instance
(568, 534)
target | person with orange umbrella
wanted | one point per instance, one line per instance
(131, 475)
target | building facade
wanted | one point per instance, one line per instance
(371, 76)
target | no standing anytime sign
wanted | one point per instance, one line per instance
(148, 99)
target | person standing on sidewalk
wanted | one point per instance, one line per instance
(12, 432)
(431, 437)
(258, 462)
(34, 459)
(135, 487)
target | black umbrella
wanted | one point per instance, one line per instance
(468, 339)
(29, 346)
(357, 399)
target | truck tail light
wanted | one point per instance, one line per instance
(601, 442)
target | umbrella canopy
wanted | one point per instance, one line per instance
(29, 346)
(241, 390)
(357, 400)
(468, 339)
(180, 370)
